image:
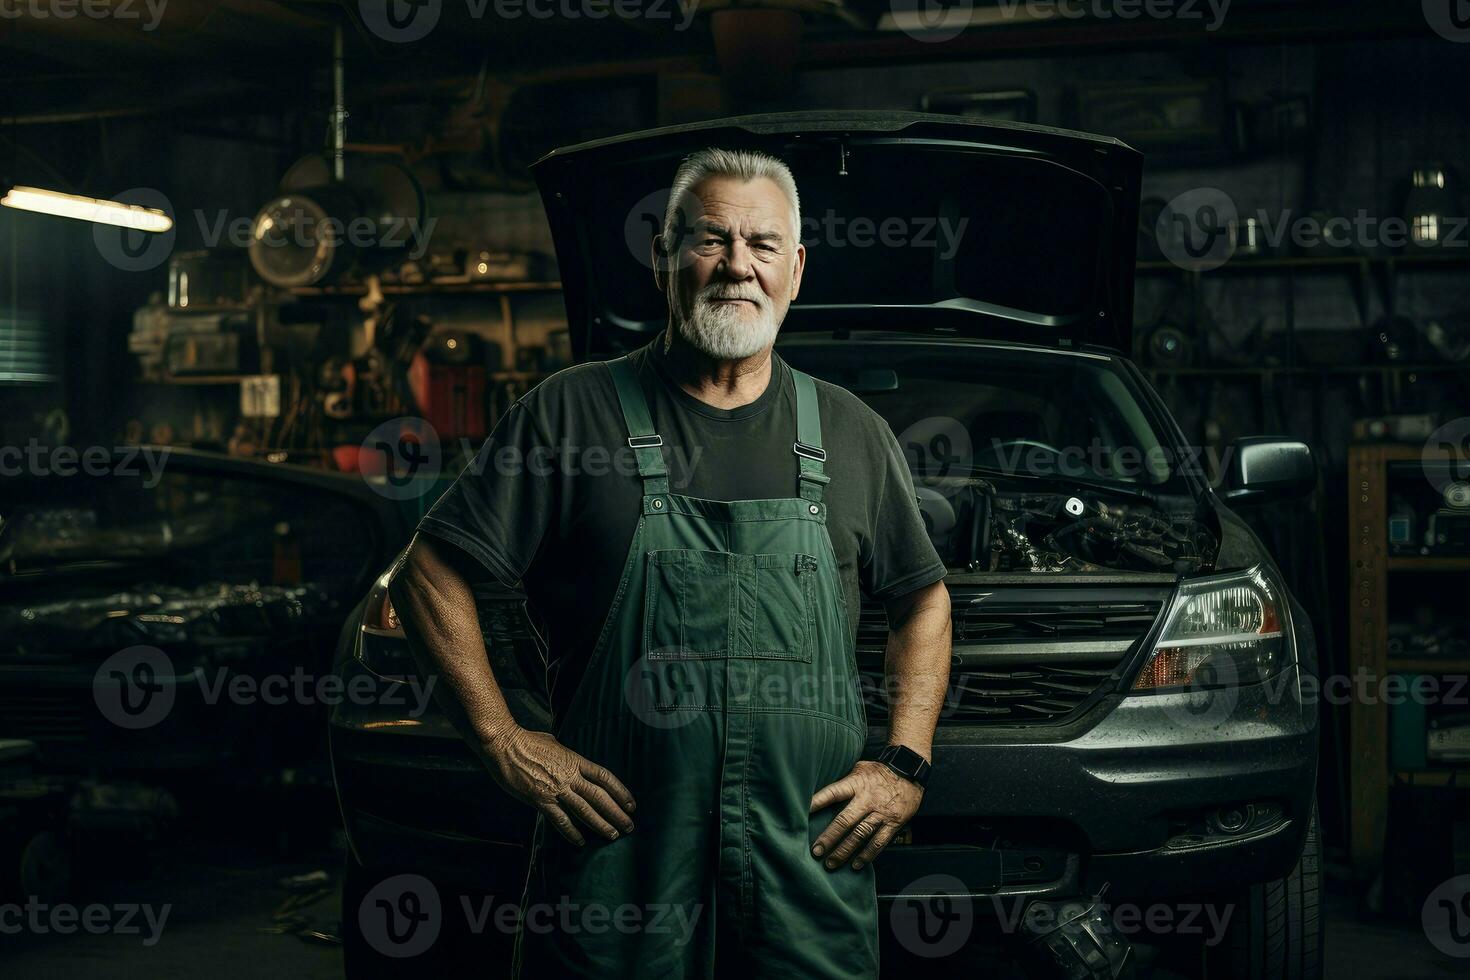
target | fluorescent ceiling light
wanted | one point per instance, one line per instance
(87, 209)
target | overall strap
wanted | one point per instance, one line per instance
(808, 448)
(641, 437)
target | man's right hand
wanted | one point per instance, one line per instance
(537, 769)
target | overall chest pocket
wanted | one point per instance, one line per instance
(703, 605)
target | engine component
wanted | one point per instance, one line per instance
(1076, 940)
(1055, 533)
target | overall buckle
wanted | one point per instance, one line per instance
(645, 442)
(810, 452)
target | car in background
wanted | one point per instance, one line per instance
(1127, 709)
(134, 590)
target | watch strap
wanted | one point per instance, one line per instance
(907, 763)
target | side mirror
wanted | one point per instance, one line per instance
(1267, 468)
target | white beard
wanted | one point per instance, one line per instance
(729, 333)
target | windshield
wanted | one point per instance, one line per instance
(962, 410)
(184, 528)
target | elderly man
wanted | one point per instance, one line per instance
(700, 604)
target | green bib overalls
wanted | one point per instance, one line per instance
(723, 692)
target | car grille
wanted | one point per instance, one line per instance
(1025, 654)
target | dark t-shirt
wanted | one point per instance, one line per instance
(551, 501)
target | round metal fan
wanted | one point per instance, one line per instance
(317, 229)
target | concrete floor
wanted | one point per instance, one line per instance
(224, 903)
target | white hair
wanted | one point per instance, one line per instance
(743, 165)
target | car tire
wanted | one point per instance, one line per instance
(1277, 930)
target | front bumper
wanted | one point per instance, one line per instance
(1113, 804)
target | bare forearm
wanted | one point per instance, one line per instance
(437, 609)
(917, 666)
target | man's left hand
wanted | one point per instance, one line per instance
(879, 803)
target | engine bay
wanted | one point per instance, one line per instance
(1011, 524)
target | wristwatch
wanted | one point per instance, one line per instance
(906, 762)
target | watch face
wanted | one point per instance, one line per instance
(906, 762)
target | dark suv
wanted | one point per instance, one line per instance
(1126, 703)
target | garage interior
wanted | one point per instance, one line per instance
(1330, 141)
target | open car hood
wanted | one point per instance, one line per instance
(912, 222)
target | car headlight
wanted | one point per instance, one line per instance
(1221, 630)
(381, 646)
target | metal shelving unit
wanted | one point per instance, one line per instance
(1369, 581)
